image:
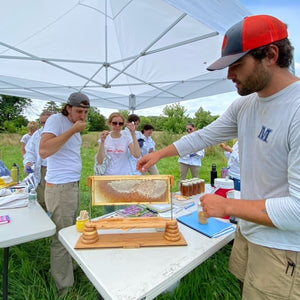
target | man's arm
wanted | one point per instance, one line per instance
(152, 158)
(30, 155)
(50, 143)
(249, 210)
(226, 147)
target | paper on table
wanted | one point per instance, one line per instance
(171, 213)
(14, 200)
(159, 207)
(213, 229)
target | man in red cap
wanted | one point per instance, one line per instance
(266, 120)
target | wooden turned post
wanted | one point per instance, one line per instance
(172, 232)
(90, 233)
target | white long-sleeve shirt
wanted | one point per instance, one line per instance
(234, 162)
(193, 159)
(32, 155)
(148, 144)
(268, 130)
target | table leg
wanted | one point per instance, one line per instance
(5, 273)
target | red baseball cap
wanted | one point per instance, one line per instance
(248, 34)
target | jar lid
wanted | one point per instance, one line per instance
(224, 183)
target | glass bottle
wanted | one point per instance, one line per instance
(32, 198)
(213, 175)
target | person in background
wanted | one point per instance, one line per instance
(149, 146)
(134, 119)
(233, 166)
(34, 163)
(117, 145)
(266, 120)
(32, 127)
(4, 171)
(61, 145)
(191, 161)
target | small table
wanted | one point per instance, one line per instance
(27, 224)
(141, 273)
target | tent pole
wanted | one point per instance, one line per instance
(132, 103)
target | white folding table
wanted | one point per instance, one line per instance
(141, 273)
(27, 224)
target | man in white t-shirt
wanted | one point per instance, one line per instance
(60, 144)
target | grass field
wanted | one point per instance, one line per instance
(29, 276)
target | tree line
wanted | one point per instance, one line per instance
(173, 119)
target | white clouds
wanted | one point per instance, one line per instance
(216, 104)
(297, 68)
(33, 111)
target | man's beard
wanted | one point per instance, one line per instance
(256, 81)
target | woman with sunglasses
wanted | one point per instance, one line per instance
(116, 146)
(191, 161)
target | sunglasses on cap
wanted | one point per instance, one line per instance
(117, 123)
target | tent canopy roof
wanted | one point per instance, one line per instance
(124, 54)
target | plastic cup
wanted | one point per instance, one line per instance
(80, 224)
(202, 218)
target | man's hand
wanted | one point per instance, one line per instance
(79, 126)
(214, 205)
(226, 147)
(147, 161)
(28, 169)
(151, 159)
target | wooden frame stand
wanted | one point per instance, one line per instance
(171, 236)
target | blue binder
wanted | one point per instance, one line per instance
(213, 229)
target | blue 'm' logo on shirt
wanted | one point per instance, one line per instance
(264, 134)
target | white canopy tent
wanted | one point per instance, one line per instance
(124, 54)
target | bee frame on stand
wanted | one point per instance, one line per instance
(129, 190)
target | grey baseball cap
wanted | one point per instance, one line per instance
(79, 100)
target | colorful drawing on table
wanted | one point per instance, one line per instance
(4, 219)
(213, 229)
(135, 211)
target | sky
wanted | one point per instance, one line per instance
(285, 10)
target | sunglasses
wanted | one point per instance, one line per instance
(117, 123)
(189, 129)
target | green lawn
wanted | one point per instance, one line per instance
(29, 276)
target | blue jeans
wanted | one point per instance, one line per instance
(237, 183)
